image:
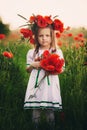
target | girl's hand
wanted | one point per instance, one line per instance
(36, 64)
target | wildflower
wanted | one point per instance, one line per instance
(32, 40)
(7, 54)
(32, 19)
(80, 35)
(48, 19)
(59, 43)
(2, 36)
(69, 34)
(76, 38)
(58, 34)
(41, 22)
(26, 32)
(58, 25)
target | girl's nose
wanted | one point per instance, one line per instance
(44, 37)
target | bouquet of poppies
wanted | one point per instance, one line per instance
(51, 63)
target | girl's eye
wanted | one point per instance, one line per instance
(40, 35)
(47, 35)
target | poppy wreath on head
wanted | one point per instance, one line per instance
(40, 21)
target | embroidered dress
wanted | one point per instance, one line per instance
(47, 94)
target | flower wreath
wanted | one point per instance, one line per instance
(42, 22)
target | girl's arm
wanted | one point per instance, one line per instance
(33, 65)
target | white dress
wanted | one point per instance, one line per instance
(47, 94)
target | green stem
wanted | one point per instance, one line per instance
(48, 81)
(37, 78)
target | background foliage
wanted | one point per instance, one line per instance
(13, 82)
(4, 28)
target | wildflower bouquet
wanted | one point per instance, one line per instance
(52, 63)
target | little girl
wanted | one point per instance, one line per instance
(46, 96)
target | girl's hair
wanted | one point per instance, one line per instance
(37, 45)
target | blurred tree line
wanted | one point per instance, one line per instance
(4, 28)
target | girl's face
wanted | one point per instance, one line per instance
(44, 37)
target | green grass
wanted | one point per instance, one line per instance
(13, 83)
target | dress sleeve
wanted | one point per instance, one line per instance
(29, 57)
(60, 53)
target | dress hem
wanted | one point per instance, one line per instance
(43, 107)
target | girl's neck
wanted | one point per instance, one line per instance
(44, 48)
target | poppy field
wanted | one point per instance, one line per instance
(73, 82)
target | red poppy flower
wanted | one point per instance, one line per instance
(52, 59)
(59, 65)
(7, 54)
(76, 38)
(32, 41)
(81, 35)
(48, 19)
(45, 54)
(32, 19)
(41, 22)
(26, 32)
(70, 34)
(2, 36)
(39, 17)
(58, 25)
(59, 43)
(44, 63)
(50, 68)
(58, 34)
